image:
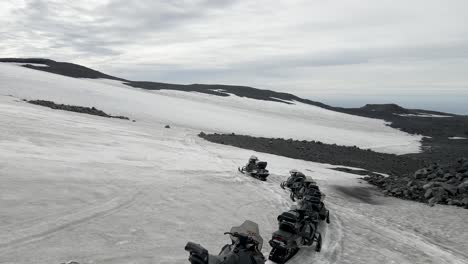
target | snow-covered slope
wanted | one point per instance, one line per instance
(99, 190)
(209, 113)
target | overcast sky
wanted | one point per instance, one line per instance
(313, 48)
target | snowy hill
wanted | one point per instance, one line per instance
(209, 113)
(99, 190)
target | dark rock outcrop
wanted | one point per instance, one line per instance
(434, 184)
(74, 108)
(317, 151)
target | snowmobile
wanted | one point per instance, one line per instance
(245, 248)
(296, 229)
(258, 171)
(295, 185)
(298, 186)
(313, 202)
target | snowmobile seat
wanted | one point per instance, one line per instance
(290, 216)
(261, 165)
(314, 217)
(287, 227)
(313, 199)
(315, 207)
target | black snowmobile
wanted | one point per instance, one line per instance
(296, 229)
(258, 170)
(296, 185)
(245, 248)
(313, 202)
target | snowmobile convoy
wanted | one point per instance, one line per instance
(245, 248)
(255, 168)
(297, 228)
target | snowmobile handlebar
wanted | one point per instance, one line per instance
(243, 239)
(197, 249)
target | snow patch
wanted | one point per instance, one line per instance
(23, 64)
(423, 115)
(218, 90)
(282, 100)
(457, 138)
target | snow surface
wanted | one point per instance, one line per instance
(23, 64)
(209, 112)
(99, 190)
(423, 115)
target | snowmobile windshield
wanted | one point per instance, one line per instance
(251, 229)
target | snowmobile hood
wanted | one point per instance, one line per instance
(249, 228)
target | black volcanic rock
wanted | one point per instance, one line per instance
(434, 184)
(74, 108)
(317, 151)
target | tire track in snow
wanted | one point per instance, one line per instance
(385, 242)
(70, 220)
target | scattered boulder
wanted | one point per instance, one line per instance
(463, 187)
(167, 126)
(464, 201)
(420, 173)
(433, 184)
(428, 194)
(449, 188)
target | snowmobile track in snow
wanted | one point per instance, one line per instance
(76, 218)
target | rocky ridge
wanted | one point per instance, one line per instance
(434, 184)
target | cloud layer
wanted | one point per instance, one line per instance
(308, 47)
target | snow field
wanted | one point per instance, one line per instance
(98, 190)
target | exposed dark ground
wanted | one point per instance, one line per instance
(324, 153)
(360, 194)
(75, 108)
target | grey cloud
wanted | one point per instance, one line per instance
(117, 23)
